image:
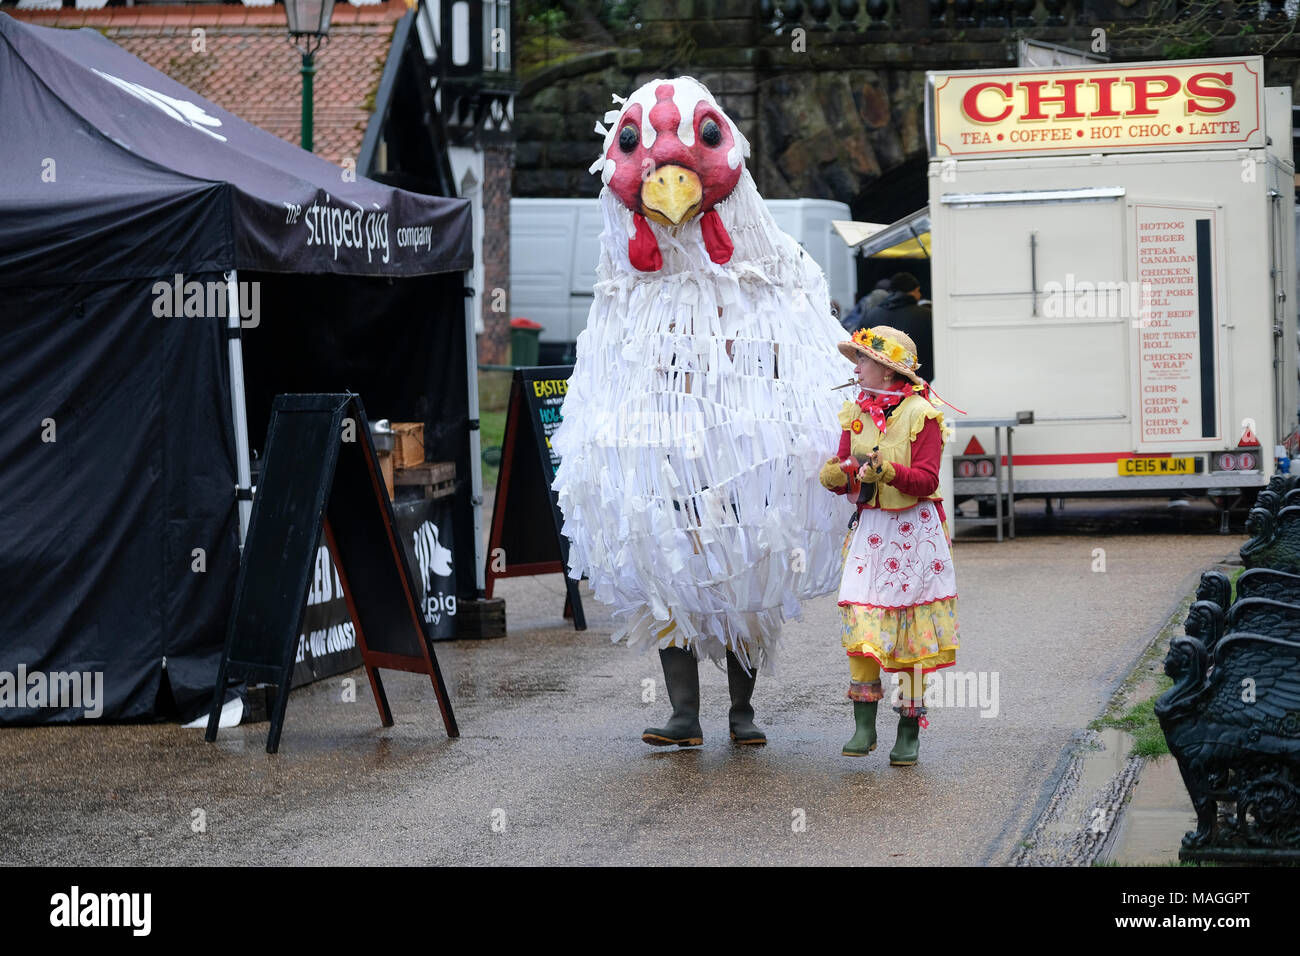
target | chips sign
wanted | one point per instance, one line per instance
(1191, 104)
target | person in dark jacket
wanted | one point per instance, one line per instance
(865, 304)
(903, 311)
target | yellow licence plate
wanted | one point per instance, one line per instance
(1131, 467)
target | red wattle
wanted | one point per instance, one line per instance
(716, 239)
(642, 248)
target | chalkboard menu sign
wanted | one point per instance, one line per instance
(425, 526)
(526, 520)
(546, 398)
(321, 472)
(327, 641)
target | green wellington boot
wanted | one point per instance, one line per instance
(741, 716)
(682, 675)
(863, 740)
(909, 742)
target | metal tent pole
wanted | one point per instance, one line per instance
(475, 452)
(238, 409)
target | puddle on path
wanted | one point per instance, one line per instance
(1085, 804)
(1156, 818)
(1085, 808)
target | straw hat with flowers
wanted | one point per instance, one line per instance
(888, 346)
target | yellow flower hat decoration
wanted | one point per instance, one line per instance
(882, 346)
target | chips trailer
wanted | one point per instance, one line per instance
(1113, 250)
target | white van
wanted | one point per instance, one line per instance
(555, 247)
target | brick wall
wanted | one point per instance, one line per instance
(498, 168)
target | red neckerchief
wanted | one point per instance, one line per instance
(876, 405)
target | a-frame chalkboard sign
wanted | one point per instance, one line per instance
(321, 467)
(526, 520)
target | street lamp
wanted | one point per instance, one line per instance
(309, 25)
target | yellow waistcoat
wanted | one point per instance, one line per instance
(903, 425)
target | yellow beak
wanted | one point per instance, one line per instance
(671, 195)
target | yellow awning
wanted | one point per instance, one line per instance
(908, 238)
(916, 248)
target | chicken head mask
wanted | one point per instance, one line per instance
(670, 156)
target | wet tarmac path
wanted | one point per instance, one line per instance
(550, 768)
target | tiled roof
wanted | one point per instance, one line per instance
(246, 65)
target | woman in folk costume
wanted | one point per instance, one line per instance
(697, 413)
(898, 594)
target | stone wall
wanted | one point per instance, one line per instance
(839, 113)
(815, 133)
(556, 124)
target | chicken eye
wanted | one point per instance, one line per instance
(627, 138)
(710, 133)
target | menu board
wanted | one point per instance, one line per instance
(545, 396)
(1174, 246)
(321, 471)
(521, 535)
(327, 639)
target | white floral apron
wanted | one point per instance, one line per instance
(898, 559)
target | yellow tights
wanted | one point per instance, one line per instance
(864, 670)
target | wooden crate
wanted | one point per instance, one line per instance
(408, 445)
(438, 478)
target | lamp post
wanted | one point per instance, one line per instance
(309, 25)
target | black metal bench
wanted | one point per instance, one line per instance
(1232, 718)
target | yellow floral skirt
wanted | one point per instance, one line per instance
(903, 638)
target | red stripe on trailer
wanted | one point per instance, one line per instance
(1082, 458)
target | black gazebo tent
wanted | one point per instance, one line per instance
(133, 214)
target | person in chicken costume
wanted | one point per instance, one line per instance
(898, 593)
(698, 411)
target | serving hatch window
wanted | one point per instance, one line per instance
(1035, 257)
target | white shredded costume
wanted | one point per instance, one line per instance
(694, 427)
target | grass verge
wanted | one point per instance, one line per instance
(1140, 721)
(1132, 709)
(492, 429)
(493, 400)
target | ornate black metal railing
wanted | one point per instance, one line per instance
(874, 15)
(863, 15)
